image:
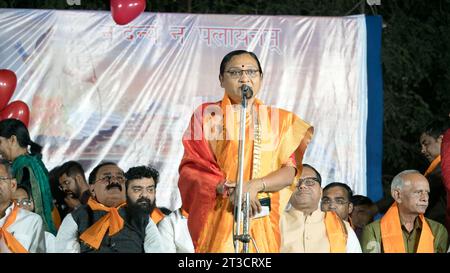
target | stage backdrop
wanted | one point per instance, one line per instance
(99, 91)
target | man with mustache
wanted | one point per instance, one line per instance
(141, 198)
(105, 224)
(404, 229)
(21, 231)
(73, 183)
(307, 229)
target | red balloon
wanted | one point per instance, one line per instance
(125, 11)
(18, 110)
(8, 82)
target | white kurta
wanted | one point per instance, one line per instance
(175, 233)
(50, 242)
(28, 229)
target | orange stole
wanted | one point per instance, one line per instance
(12, 243)
(56, 217)
(336, 232)
(93, 236)
(392, 237)
(157, 215)
(184, 213)
(278, 142)
(433, 165)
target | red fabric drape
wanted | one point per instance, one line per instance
(199, 176)
(445, 166)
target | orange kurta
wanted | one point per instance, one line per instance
(211, 147)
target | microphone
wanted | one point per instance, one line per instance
(247, 91)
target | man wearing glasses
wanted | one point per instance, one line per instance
(22, 198)
(336, 197)
(73, 183)
(305, 228)
(21, 231)
(105, 224)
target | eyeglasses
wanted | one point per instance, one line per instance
(108, 178)
(236, 74)
(24, 202)
(340, 202)
(4, 178)
(309, 182)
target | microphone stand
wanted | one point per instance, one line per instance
(242, 215)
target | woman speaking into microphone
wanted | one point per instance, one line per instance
(275, 144)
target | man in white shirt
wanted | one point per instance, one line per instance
(141, 193)
(22, 198)
(106, 223)
(21, 231)
(305, 228)
(174, 230)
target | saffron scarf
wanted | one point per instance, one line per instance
(156, 215)
(392, 236)
(112, 221)
(9, 239)
(433, 165)
(336, 232)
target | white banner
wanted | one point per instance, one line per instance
(99, 91)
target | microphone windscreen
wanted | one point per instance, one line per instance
(247, 90)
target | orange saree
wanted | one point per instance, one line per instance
(211, 148)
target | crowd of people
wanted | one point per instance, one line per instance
(289, 210)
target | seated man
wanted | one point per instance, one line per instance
(141, 193)
(61, 209)
(363, 212)
(305, 228)
(22, 198)
(404, 229)
(336, 197)
(21, 231)
(106, 224)
(73, 183)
